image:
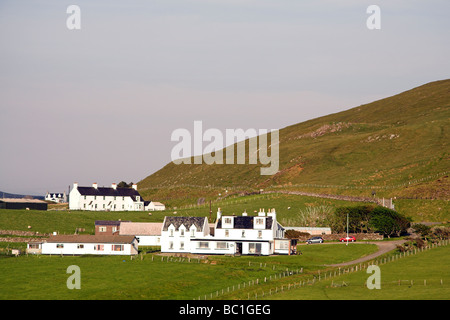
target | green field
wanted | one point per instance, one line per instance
(425, 275)
(154, 277)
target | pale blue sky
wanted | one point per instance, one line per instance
(99, 104)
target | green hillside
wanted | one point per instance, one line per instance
(397, 147)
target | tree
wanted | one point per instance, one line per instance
(123, 184)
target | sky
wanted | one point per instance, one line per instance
(99, 103)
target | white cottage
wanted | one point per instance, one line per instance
(56, 197)
(154, 206)
(85, 244)
(97, 198)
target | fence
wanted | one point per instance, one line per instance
(311, 279)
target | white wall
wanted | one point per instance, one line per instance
(89, 248)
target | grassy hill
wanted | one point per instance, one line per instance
(397, 147)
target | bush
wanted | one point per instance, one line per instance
(369, 218)
(421, 229)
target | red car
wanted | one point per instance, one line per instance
(348, 239)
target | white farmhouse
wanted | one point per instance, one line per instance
(97, 198)
(246, 235)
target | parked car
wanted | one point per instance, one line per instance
(314, 240)
(348, 239)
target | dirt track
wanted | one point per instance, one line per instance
(383, 247)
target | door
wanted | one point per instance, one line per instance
(258, 248)
(239, 247)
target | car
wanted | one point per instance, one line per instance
(314, 240)
(348, 239)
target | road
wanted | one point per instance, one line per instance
(383, 247)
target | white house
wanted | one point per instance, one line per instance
(85, 244)
(154, 206)
(246, 235)
(147, 233)
(177, 233)
(97, 198)
(57, 197)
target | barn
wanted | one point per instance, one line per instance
(20, 204)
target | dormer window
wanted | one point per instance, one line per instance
(259, 221)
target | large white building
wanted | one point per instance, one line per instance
(246, 235)
(112, 198)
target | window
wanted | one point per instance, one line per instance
(243, 233)
(99, 247)
(80, 246)
(182, 245)
(60, 245)
(193, 232)
(222, 245)
(117, 247)
(259, 221)
(34, 246)
(171, 245)
(170, 232)
(102, 229)
(114, 229)
(103, 206)
(227, 233)
(227, 220)
(181, 232)
(259, 234)
(203, 245)
(84, 206)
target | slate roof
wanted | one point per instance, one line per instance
(109, 192)
(108, 223)
(245, 222)
(186, 221)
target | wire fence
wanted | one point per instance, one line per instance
(311, 279)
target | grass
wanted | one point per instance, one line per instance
(397, 146)
(111, 277)
(423, 276)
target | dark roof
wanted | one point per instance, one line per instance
(246, 222)
(186, 221)
(103, 191)
(108, 223)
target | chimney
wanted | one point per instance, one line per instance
(75, 185)
(95, 185)
(261, 213)
(219, 214)
(114, 186)
(244, 214)
(135, 186)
